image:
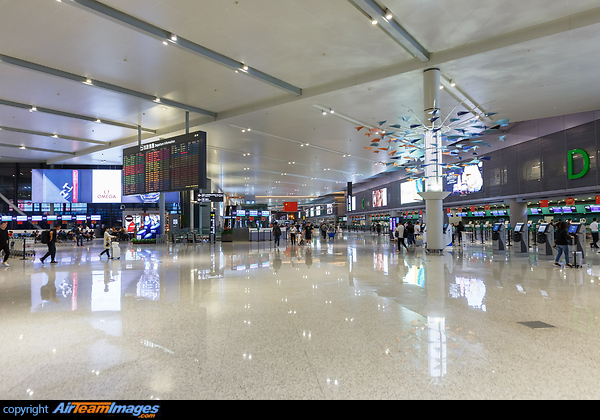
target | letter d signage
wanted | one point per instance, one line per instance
(586, 163)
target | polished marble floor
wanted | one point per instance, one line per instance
(347, 319)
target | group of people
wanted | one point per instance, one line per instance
(407, 231)
(50, 237)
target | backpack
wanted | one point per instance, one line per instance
(45, 236)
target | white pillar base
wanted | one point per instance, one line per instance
(435, 219)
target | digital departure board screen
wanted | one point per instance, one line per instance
(174, 164)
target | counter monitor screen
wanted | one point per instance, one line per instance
(543, 227)
(518, 227)
(497, 227)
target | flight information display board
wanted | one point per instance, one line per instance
(174, 164)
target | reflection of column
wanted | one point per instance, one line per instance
(436, 343)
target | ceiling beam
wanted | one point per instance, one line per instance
(97, 83)
(392, 28)
(72, 115)
(52, 135)
(560, 25)
(163, 35)
(37, 149)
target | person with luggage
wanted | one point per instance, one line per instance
(49, 237)
(107, 244)
(4, 246)
(561, 241)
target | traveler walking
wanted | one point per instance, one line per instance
(107, 244)
(51, 238)
(400, 235)
(561, 241)
(4, 246)
(293, 232)
(276, 233)
(459, 230)
(410, 233)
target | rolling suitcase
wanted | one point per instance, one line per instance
(115, 251)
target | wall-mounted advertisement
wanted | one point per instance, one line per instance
(409, 191)
(380, 198)
(86, 186)
(467, 180)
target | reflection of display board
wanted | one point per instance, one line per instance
(85, 186)
(467, 180)
(174, 164)
(409, 191)
(380, 198)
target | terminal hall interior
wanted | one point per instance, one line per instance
(299, 199)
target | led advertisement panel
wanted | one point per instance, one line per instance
(466, 180)
(86, 186)
(174, 164)
(380, 198)
(409, 191)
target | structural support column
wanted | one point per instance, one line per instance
(163, 217)
(434, 193)
(518, 211)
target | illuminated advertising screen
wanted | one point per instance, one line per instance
(380, 198)
(86, 186)
(409, 191)
(174, 164)
(466, 180)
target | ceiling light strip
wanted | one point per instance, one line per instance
(72, 115)
(185, 44)
(391, 27)
(52, 135)
(37, 149)
(300, 143)
(97, 83)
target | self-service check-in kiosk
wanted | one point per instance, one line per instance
(545, 238)
(577, 231)
(499, 237)
(447, 235)
(521, 243)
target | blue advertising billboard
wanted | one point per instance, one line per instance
(86, 186)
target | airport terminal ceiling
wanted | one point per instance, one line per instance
(262, 79)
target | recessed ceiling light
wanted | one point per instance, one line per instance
(388, 14)
(157, 100)
(33, 109)
(98, 121)
(88, 81)
(173, 37)
(374, 21)
(22, 147)
(165, 43)
(452, 83)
